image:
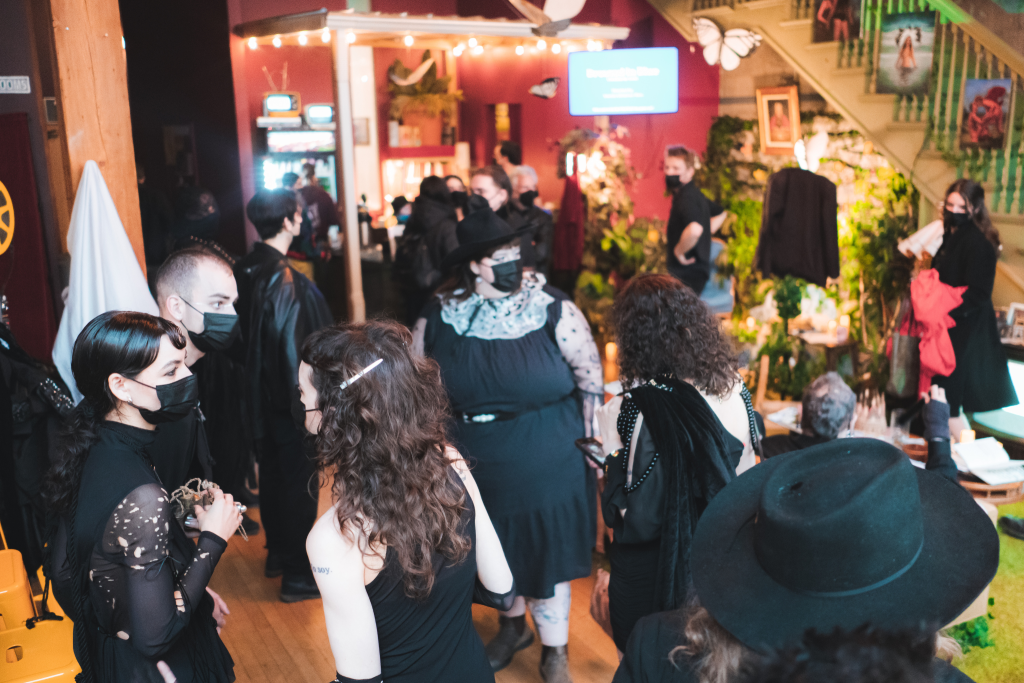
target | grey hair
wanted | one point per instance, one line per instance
(526, 171)
(828, 406)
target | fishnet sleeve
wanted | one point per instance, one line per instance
(572, 333)
(138, 536)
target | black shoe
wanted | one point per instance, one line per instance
(250, 526)
(513, 636)
(298, 588)
(1012, 526)
(274, 567)
(554, 664)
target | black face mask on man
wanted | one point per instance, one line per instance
(528, 198)
(952, 220)
(177, 400)
(508, 276)
(460, 198)
(673, 182)
(219, 331)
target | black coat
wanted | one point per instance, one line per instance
(278, 307)
(543, 234)
(981, 380)
(433, 222)
(799, 232)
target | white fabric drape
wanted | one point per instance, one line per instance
(105, 274)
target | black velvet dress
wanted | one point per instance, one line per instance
(134, 561)
(981, 380)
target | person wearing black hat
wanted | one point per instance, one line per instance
(522, 371)
(838, 535)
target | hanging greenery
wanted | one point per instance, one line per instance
(428, 96)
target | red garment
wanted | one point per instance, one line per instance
(932, 301)
(567, 251)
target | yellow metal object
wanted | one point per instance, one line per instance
(6, 226)
(15, 592)
(44, 653)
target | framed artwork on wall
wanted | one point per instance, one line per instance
(986, 104)
(836, 20)
(905, 53)
(778, 119)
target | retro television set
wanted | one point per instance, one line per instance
(282, 104)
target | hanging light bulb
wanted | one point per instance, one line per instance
(542, 44)
(303, 39)
(478, 50)
(277, 41)
(408, 40)
(252, 43)
(458, 50)
(520, 50)
(472, 42)
(325, 37)
(556, 48)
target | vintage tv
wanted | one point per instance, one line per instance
(282, 104)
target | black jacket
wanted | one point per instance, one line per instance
(429, 237)
(799, 232)
(278, 307)
(981, 380)
(543, 234)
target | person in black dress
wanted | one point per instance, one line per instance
(681, 431)
(407, 544)
(967, 257)
(122, 566)
(523, 377)
(842, 535)
(689, 222)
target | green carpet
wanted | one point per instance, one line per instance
(1004, 661)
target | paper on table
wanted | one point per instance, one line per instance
(988, 460)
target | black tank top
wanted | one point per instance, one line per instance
(432, 640)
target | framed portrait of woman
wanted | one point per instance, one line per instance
(778, 119)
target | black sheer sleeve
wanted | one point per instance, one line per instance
(935, 415)
(499, 601)
(160, 594)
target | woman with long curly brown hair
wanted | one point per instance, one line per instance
(398, 554)
(679, 433)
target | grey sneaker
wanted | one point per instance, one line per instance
(554, 664)
(513, 636)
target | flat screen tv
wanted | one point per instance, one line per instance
(631, 81)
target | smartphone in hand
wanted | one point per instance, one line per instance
(593, 449)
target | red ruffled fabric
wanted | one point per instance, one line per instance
(932, 302)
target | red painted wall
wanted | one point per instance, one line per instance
(309, 74)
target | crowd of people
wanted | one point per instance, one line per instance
(446, 445)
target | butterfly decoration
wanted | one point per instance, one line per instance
(416, 76)
(546, 89)
(551, 20)
(724, 48)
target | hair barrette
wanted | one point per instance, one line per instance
(347, 383)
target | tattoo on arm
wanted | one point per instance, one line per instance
(321, 570)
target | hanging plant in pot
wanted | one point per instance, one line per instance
(420, 98)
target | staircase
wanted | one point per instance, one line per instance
(918, 134)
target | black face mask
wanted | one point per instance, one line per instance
(177, 400)
(299, 411)
(219, 331)
(952, 220)
(528, 198)
(508, 276)
(459, 198)
(672, 182)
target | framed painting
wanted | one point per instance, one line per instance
(778, 119)
(986, 104)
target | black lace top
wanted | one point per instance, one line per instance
(145, 580)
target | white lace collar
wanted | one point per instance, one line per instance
(510, 317)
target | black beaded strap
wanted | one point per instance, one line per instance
(755, 436)
(626, 423)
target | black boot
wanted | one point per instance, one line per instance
(554, 664)
(513, 635)
(298, 588)
(1012, 526)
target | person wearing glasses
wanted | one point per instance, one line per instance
(522, 373)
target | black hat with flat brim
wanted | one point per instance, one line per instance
(835, 536)
(479, 232)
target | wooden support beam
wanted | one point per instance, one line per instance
(92, 99)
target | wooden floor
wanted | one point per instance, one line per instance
(274, 642)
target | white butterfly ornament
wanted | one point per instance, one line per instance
(724, 48)
(546, 89)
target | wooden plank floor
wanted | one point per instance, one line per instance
(273, 642)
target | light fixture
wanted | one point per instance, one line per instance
(303, 39)
(472, 42)
(350, 37)
(520, 50)
(581, 163)
(570, 159)
(277, 41)
(458, 50)
(542, 44)
(408, 40)
(556, 48)
(252, 43)
(478, 50)
(325, 37)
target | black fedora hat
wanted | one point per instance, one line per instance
(479, 231)
(837, 535)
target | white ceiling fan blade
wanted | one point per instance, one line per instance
(530, 12)
(563, 9)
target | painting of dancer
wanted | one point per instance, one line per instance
(836, 20)
(986, 103)
(905, 53)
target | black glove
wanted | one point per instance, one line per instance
(936, 420)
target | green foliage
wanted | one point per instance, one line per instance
(790, 366)
(719, 174)
(740, 250)
(429, 96)
(972, 633)
(787, 297)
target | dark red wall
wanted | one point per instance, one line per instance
(309, 73)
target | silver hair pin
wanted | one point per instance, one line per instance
(347, 383)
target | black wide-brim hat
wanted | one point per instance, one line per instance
(479, 231)
(837, 535)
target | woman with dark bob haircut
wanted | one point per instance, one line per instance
(407, 543)
(122, 566)
(681, 431)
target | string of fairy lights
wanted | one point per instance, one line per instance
(473, 46)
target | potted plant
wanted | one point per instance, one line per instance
(420, 98)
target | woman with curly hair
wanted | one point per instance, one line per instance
(122, 566)
(407, 543)
(681, 431)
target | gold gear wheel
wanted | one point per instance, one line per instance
(6, 219)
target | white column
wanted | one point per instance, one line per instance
(346, 168)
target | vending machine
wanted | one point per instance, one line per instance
(287, 150)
